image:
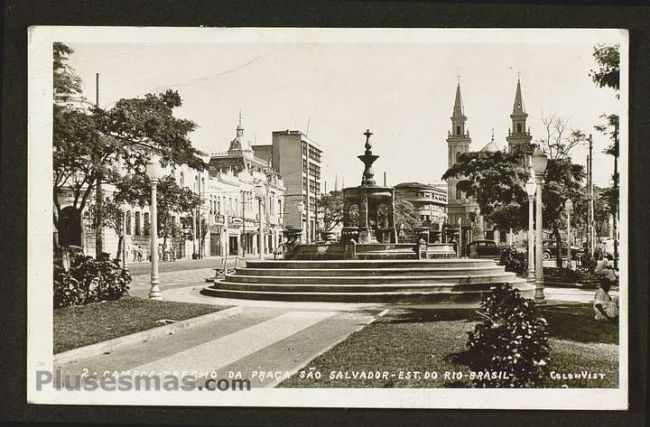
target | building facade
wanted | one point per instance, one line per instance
(298, 159)
(226, 223)
(429, 200)
(463, 212)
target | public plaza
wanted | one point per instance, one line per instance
(276, 253)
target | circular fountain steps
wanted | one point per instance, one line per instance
(405, 281)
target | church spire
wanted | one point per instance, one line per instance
(518, 107)
(518, 136)
(240, 129)
(459, 111)
(458, 117)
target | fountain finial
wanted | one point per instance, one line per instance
(368, 134)
(368, 159)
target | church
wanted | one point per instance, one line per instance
(463, 212)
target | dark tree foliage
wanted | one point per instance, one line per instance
(496, 181)
(607, 73)
(65, 83)
(149, 122)
(171, 199)
(512, 338)
(331, 206)
(89, 144)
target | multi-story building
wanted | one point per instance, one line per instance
(299, 160)
(227, 221)
(234, 208)
(429, 200)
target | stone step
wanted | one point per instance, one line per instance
(410, 297)
(350, 288)
(329, 272)
(371, 280)
(370, 264)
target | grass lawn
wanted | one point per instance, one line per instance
(431, 341)
(89, 324)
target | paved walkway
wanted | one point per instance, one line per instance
(267, 337)
(261, 340)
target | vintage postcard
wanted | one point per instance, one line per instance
(314, 217)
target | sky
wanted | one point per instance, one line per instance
(333, 91)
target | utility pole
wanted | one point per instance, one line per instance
(243, 223)
(198, 224)
(590, 211)
(99, 238)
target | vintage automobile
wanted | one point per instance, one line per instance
(550, 250)
(483, 249)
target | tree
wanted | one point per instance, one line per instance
(331, 205)
(89, 144)
(171, 200)
(406, 220)
(112, 217)
(66, 83)
(495, 180)
(147, 125)
(607, 74)
(563, 180)
(560, 140)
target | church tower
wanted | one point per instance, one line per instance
(458, 141)
(518, 135)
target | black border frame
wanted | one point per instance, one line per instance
(19, 14)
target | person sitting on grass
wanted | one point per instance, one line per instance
(605, 306)
(605, 271)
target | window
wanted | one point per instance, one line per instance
(137, 223)
(219, 205)
(518, 127)
(128, 223)
(147, 226)
(457, 130)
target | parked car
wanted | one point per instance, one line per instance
(550, 250)
(483, 249)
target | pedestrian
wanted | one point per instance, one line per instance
(605, 306)
(139, 253)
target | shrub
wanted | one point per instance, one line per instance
(511, 339)
(90, 280)
(514, 260)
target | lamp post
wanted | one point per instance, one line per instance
(300, 208)
(539, 162)
(530, 190)
(569, 207)
(154, 172)
(260, 193)
(460, 237)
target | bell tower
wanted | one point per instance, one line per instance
(458, 141)
(518, 135)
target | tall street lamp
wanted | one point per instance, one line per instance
(460, 237)
(260, 193)
(154, 172)
(530, 190)
(568, 205)
(539, 162)
(300, 208)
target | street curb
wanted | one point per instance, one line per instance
(142, 336)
